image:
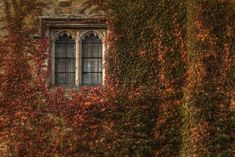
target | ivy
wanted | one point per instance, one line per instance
(169, 84)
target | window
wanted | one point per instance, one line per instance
(91, 60)
(77, 59)
(76, 48)
(65, 61)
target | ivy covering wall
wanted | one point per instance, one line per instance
(179, 55)
(170, 85)
(210, 84)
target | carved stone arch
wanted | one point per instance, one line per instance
(63, 32)
(85, 34)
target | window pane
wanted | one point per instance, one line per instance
(100, 78)
(86, 66)
(100, 50)
(70, 51)
(85, 78)
(92, 65)
(88, 50)
(70, 65)
(95, 50)
(98, 65)
(60, 79)
(60, 65)
(87, 63)
(71, 78)
(65, 61)
(91, 60)
(91, 78)
(60, 50)
(95, 78)
(84, 49)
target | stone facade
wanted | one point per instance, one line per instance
(70, 8)
(70, 17)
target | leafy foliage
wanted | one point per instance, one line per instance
(210, 84)
(169, 84)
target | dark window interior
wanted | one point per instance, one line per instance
(65, 61)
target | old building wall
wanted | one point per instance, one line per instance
(69, 8)
(57, 8)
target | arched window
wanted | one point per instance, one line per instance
(91, 60)
(65, 61)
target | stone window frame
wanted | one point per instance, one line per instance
(55, 27)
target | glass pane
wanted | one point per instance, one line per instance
(92, 65)
(70, 50)
(100, 78)
(60, 65)
(92, 50)
(84, 49)
(60, 79)
(65, 60)
(87, 65)
(100, 50)
(95, 78)
(95, 50)
(91, 60)
(92, 47)
(92, 78)
(84, 65)
(71, 78)
(100, 65)
(95, 66)
(60, 50)
(70, 65)
(85, 78)
(88, 51)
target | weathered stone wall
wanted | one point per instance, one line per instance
(69, 8)
(58, 8)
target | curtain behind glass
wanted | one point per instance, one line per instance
(91, 60)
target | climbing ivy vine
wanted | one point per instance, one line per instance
(169, 85)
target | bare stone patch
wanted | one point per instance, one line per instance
(65, 3)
